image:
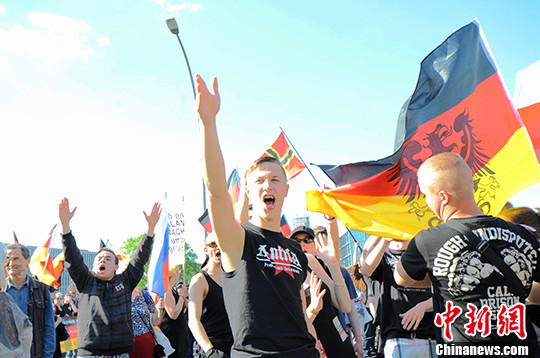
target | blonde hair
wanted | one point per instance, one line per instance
(262, 160)
(447, 171)
(174, 271)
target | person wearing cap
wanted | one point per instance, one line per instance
(104, 319)
(16, 329)
(324, 264)
(263, 270)
(349, 320)
(33, 298)
(208, 318)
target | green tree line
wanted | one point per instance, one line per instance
(192, 267)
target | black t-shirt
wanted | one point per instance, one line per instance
(463, 276)
(396, 300)
(263, 301)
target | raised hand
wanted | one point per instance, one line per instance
(207, 104)
(324, 248)
(153, 218)
(65, 215)
(316, 295)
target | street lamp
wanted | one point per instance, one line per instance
(173, 26)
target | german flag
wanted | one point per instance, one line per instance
(460, 104)
(282, 151)
(204, 219)
(285, 228)
(527, 101)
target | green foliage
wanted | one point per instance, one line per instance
(192, 267)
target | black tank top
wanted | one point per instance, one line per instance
(263, 299)
(335, 341)
(214, 316)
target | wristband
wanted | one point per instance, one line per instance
(329, 218)
(339, 284)
(183, 297)
(314, 312)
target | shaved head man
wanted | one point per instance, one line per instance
(463, 279)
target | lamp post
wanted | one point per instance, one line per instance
(173, 26)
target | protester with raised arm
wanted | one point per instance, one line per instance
(104, 321)
(324, 265)
(263, 270)
(406, 319)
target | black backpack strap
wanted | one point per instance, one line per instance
(482, 246)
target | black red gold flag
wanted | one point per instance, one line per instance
(285, 228)
(460, 104)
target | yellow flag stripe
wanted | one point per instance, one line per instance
(515, 167)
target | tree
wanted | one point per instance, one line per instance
(192, 267)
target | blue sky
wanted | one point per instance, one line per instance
(97, 104)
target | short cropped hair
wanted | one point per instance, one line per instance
(447, 171)
(320, 230)
(24, 250)
(262, 160)
(108, 250)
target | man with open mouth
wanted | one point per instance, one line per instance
(104, 321)
(208, 318)
(263, 270)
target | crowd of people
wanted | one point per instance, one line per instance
(465, 284)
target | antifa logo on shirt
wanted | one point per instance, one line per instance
(282, 260)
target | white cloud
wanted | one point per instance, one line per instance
(2, 9)
(50, 38)
(160, 2)
(176, 8)
(103, 41)
(58, 23)
(180, 7)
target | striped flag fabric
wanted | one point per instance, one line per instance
(285, 228)
(233, 186)
(41, 264)
(15, 239)
(158, 269)
(204, 219)
(460, 104)
(282, 151)
(527, 101)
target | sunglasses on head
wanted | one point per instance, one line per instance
(305, 240)
(212, 245)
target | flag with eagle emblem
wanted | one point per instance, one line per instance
(460, 104)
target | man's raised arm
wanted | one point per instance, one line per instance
(229, 233)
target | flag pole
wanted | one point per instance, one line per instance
(316, 182)
(299, 157)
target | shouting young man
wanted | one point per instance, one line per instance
(263, 270)
(104, 322)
